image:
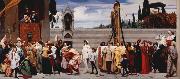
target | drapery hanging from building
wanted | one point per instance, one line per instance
(10, 5)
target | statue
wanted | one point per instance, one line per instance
(115, 21)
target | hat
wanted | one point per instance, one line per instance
(18, 39)
(33, 11)
(86, 41)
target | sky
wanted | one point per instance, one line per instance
(92, 13)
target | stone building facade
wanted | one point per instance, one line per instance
(12, 20)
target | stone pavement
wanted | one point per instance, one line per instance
(93, 76)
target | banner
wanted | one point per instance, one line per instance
(10, 5)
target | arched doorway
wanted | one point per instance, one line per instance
(68, 36)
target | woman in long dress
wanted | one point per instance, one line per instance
(53, 58)
(145, 58)
(131, 56)
(138, 57)
(46, 66)
(85, 52)
(59, 47)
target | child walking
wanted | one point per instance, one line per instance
(92, 58)
(124, 65)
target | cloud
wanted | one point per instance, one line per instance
(92, 13)
(94, 18)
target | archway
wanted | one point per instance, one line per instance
(68, 21)
(68, 36)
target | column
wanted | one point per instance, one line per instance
(45, 28)
(178, 37)
(11, 22)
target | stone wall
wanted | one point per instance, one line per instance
(96, 36)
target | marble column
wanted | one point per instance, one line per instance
(178, 37)
(11, 22)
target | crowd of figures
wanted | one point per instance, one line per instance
(30, 16)
(35, 58)
(32, 58)
(141, 57)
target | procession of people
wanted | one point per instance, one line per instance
(140, 57)
(143, 57)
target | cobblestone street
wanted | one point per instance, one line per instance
(93, 76)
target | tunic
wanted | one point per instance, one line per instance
(46, 66)
(107, 56)
(45, 52)
(145, 60)
(86, 49)
(92, 57)
(39, 57)
(118, 52)
(25, 67)
(14, 58)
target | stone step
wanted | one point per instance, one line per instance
(91, 35)
(92, 31)
(81, 45)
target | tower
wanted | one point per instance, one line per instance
(68, 25)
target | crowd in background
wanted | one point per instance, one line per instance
(30, 16)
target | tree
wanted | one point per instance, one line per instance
(52, 7)
(160, 20)
(139, 13)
